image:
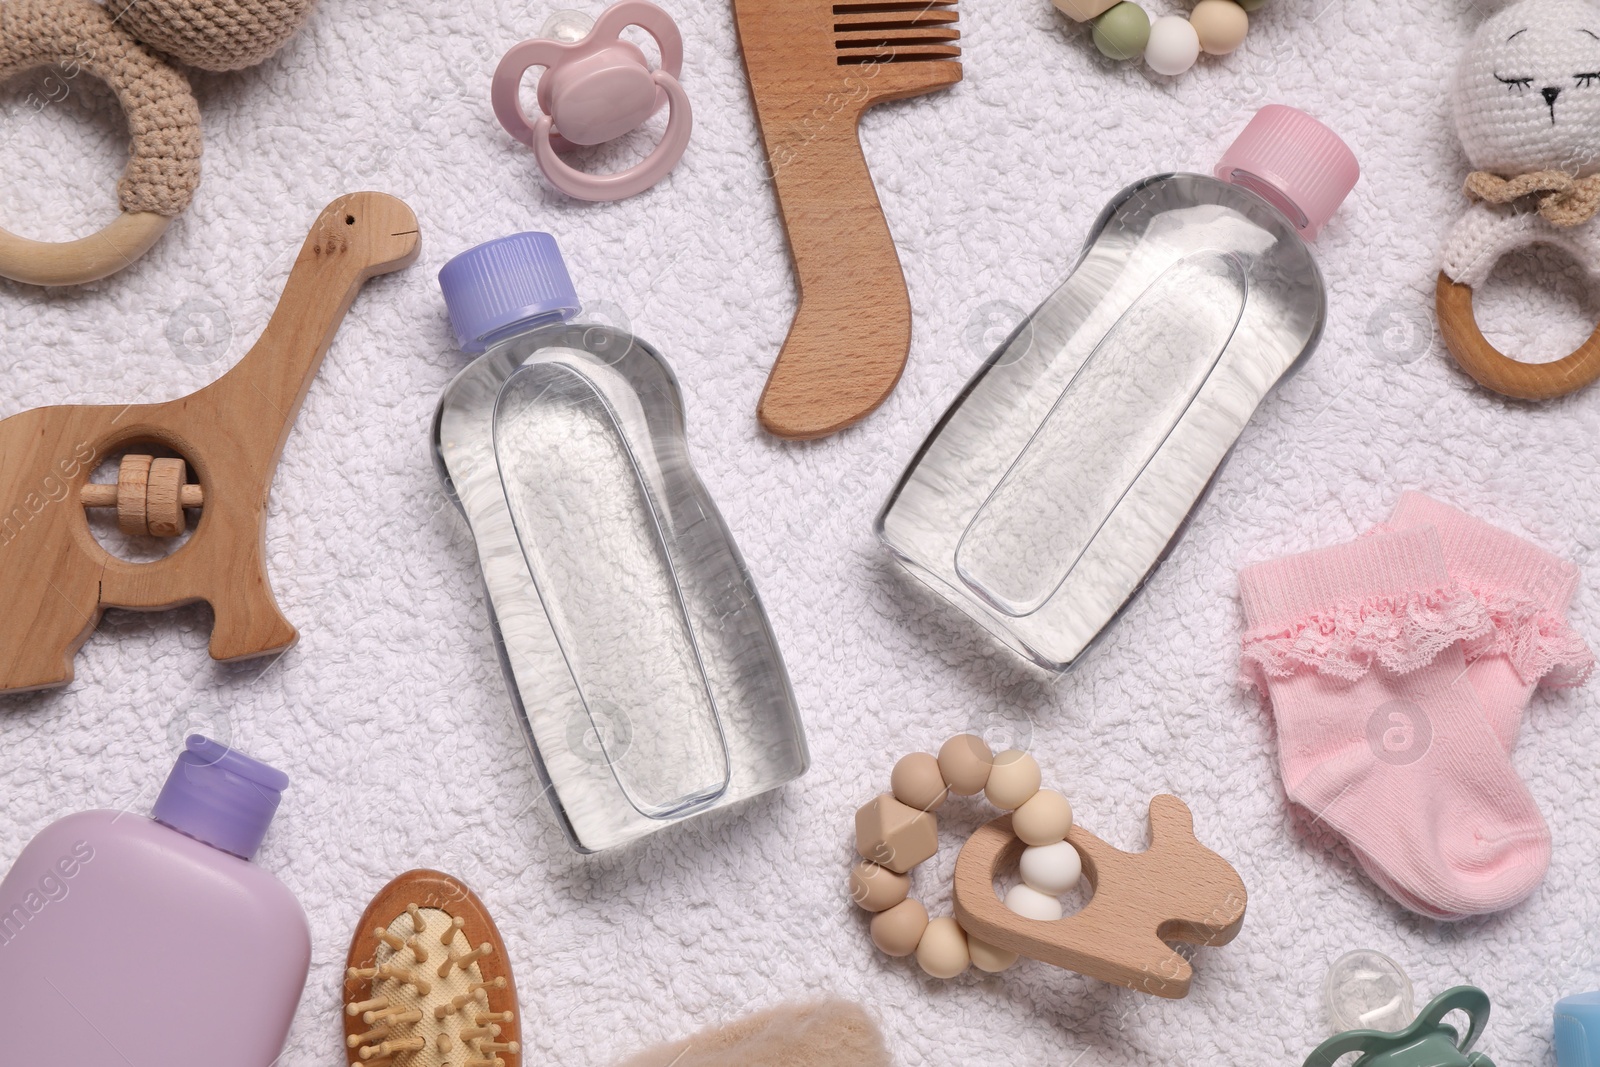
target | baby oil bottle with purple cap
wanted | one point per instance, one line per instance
(635, 648)
(133, 940)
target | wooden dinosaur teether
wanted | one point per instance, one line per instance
(428, 982)
(56, 580)
(1177, 890)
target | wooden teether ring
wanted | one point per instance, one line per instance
(76, 37)
(1498, 372)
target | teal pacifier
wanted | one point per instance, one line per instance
(1427, 1042)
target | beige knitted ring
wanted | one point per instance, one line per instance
(78, 36)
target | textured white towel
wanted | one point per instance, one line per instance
(391, 716)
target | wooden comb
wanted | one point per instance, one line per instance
(427, 982)
(56, 580)
(1176, 890)
(814, 67)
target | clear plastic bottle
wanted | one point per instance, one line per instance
(633, 642)
(127, 940)
(1068, 466)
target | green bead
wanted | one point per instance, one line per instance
(1122, 32)
(1252, 6)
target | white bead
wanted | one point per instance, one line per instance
(1174, 45)
(1032, 904)
(1052, 869)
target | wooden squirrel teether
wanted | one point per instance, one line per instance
(1176, 890)
(56, 580)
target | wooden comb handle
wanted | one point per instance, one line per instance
(852, 331)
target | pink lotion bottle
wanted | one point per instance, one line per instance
(134, 941)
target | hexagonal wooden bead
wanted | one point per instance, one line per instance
(895, 835)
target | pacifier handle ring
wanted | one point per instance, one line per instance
(1470, 1000)
(1496, 371)
(651, 19)
(637, 178)
(87, 259)
(539, 52)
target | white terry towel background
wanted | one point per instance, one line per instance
(390, 714)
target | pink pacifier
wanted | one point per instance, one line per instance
(595, 88)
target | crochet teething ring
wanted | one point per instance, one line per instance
(595, 90)
(1494, 370)
(163, 121)
(1175, 890)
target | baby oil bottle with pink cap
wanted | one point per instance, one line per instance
(1069, 465)
(133, 940)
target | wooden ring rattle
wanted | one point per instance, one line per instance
(163, 169)
(1494, 370)
(1177, 890)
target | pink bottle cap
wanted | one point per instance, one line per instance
(1293, 162)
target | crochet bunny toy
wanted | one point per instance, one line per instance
(1527, 109)
(163, 118)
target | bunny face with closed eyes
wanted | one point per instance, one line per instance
(1527, 92)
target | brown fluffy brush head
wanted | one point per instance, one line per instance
(428, 983)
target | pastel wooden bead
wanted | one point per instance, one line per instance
(898, 930)
(1083, 10)
(876, 888)
(1013, 780)
(917, 782)
(1122, 32)
(1220, 25)
(1045, 817)
(965, 761)
(987, 958)
(894, 835)
(1029, 903)
(1173, 46)
(943, 951)
(1052, 869)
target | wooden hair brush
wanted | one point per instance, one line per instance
(428, 983)
(814, 67)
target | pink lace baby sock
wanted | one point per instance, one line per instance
(1381, 736)
(1526, 592)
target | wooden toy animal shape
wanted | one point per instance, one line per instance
(1176, 890)
(56, 580)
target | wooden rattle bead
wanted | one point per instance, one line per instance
(1044, 818)
(1014, 779)
(916, 782)
(876, 888)
(894, 835)
(964, 761)
(943, 951)
(1029, 903)
(1052, 869)
(133, 479)
(897, 931)
(1221, 25)
(989, 959)
(164, 497)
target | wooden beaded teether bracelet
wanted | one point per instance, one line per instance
(1171, 44)
(1176, 890)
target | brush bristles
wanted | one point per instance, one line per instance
(428, 1016)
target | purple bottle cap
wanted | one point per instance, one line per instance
(504, 286)
(1295, 163)
(222, 797)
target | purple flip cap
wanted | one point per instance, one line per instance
(504, 286)
(222, 797)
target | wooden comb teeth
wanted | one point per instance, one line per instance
(907, 31)
(417, 991)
